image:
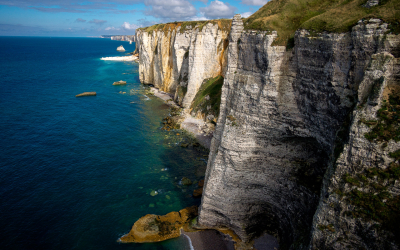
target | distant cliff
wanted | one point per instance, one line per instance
(130, 38)
(307, 143)
(178, 57)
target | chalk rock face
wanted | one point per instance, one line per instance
(281, 117)
(371, 3)
(352, 191)
(121, 48)
(172, 60)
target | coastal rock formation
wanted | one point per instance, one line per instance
(176, 58)
(120, 83)
(306, 145)
(282, 124)
(155, 228)
(359, 206)
(121, 48)
(86, 94)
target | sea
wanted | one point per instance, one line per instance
(76, 173)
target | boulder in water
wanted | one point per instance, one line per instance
(154, 228)
(186, 181)
(198, 192)
(121, 48)
(86, 94)
(120, 83)
(201, 183)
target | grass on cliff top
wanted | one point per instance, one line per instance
(213, 89)
(223, 24)
(286, 16)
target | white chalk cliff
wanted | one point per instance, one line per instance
(291, 129)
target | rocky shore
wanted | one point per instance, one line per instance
(201, 130)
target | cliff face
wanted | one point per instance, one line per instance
(307, 144)
(284, 119)
(178, 62)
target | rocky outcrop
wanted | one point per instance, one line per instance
(284, 119)
(120, 83)
(371, 3)
(155, 228)
(176, 59)
(86, 94)
(121, 48)
(359, 206)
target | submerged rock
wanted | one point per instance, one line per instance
(153, 193)
(155, 228)
(86, 94)
(121, 48)
(201, 183)
(186, 181)
(198, 192)
(120, 83)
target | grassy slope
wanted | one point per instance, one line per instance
(286, 16)
(212, 88)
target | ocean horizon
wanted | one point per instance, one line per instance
(76, 173)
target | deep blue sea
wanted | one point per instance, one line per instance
(76, 173)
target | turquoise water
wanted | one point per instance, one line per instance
(76, 173)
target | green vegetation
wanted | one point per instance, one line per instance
(286, 16)
(223, 24)
(369, 189)
(387, 126)
(232, 119)
(209, 95)
(377, 203)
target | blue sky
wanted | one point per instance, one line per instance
(74, 18)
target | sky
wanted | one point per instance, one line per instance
(76, 18)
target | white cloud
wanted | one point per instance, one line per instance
(174, 10)
(218, 9)
(254, 2)
(199, 18)
(246, 14)
(128, 26)
(111, 28)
